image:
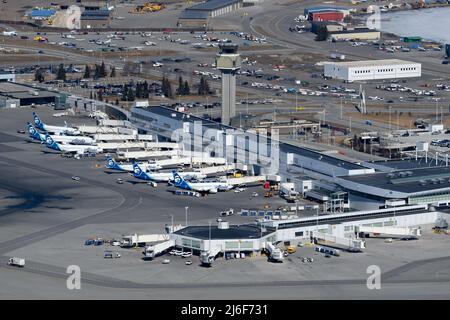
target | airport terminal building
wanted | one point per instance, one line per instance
(366, 186)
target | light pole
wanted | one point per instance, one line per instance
(186, 212)
(390, 109)
(209, 249)
(317, 219)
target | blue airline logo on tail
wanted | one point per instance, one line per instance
(138, 173)
(33, 133)
(111, 164)
(51, 143)
(38, 121)
(180, 182)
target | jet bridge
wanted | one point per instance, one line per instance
(217, 169)
(115, 123)
(126, 155)
(154, 250)
(326, 239)
(136, 240)
(392, 232)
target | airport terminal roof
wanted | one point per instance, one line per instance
(193, 14)
(306, 11)
(407, 181)
(357, 30)
(95, 15)
(213, 5)
(410, 163)
(245, 231)
(372, 63)
(285, 147)
(20, 91)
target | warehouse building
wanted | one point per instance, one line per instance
(354, 34)
(309, 11)
(96, 19)
(199, 14)
(372, 69)
(42, 14)
(331, 26)
(14, 95)
(326, 16)
(7, 77)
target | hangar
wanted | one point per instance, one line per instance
(199, 14)
(18, 95)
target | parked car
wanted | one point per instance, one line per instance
(89, 242)
(111, 255)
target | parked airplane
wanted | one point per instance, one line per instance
(201, 186)
(34, 134)
(111, 164)
(80, 140)
(70, 148)
(139, 173)
(55, 129)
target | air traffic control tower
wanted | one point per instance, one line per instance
(228, 61)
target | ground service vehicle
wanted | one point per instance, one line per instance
(18, 262)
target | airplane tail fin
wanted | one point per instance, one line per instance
(138, 172)
(179, 181)
(32, 132)
(51, 143)
(37, 121)
(111, 164)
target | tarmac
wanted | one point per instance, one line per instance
(45, 217)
